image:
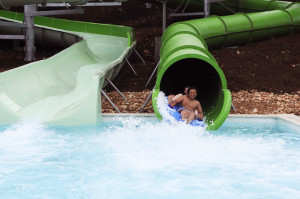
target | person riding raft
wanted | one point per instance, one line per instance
(190, 108)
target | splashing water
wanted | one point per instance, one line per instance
(133, 158)
(164, 109)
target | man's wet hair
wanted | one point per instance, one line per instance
(191, 88)
(187, 87)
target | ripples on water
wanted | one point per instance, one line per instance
(132, 158)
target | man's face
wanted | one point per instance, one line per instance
(193, 94)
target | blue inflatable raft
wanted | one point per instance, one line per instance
(174, 113)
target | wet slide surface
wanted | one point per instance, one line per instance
(64, 89)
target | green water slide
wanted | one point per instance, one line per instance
(185, 56)
(65, 88)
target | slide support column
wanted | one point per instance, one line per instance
(29, 36)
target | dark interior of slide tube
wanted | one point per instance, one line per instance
(196, 73)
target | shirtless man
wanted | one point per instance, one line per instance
(189, 105)
(172, 98)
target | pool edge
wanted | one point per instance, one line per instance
(286, 117)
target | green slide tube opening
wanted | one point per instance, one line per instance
(192, 66)
(185, 59)
(193, 72)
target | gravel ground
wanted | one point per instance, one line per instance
(245, 102)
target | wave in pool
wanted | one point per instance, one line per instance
(133, 158)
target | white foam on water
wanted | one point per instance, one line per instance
(24, 138)
(140, 159)
(26, 144)
(164, 109)
(146, 146)
(193, 161)
(196, 160)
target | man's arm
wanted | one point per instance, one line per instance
(177, 96)
(200, 112)
(177, 101)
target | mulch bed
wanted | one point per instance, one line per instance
(245, 102)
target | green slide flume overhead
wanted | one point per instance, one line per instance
(257, 5)
(65, 88)
(185, 59)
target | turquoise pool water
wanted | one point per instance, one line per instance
(133, 158)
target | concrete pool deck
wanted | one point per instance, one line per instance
(290, 118)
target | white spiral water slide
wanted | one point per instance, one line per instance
(65, 88)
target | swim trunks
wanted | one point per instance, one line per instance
(182, 108)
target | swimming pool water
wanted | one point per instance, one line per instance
(134, 158)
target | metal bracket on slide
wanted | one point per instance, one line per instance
(13, 37)
(58, 12)
(30, 11)
(164, 17)
(147, 100)
(139, 55)
(182, 13)
(103, 93)
(226, 7)
(110, 82)
(175, 13)
(206, 12)
(155, 69)
(12, 24)
(233, 107)
(130, 66)
(89, 4)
